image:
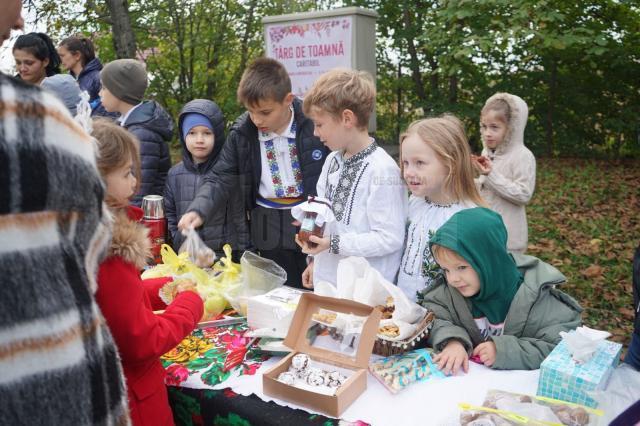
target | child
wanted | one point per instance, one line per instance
(78, 56)
(360, 179)
(507, 167)
(36, 58)
(124, 82)
(273, 159)
(126, 301)
(436, 165)
(65, 88)
(503, 309)
(201, 130)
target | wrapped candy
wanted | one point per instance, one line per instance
(399, 371)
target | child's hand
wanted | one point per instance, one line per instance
(487, 353)
(307, 276)
(186, 285)
(483, 164)
(322, 244)
(190, 220)
(452, 357)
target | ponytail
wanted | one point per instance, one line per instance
(82, 45)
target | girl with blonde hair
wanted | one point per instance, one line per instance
(436, 165)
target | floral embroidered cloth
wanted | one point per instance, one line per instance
(197, 362)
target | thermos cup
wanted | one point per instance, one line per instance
(154, 219)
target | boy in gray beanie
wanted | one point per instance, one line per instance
(124, 82)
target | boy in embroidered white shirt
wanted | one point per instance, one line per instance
(363, 183)
(273, 159)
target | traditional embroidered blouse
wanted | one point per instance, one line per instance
(369, 202)
(281, 175)
(418, 267)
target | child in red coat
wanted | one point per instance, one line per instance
(126, 301)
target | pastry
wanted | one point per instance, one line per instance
(390, 330)
(287, 378)
(300, 361)
(316, 377)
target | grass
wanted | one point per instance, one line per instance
(585, 219)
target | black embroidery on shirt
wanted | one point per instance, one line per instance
(353, 193)
(347, 179)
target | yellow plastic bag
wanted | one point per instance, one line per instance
(214, 291)
(172, 264)
(176, 266)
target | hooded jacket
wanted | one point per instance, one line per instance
(127, 303)
(226, 225)
(153, 127)
(239, 167)
(509, 186)
(89, 78)
(89, 81)
(536, 311)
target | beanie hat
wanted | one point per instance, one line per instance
(126, 79)
(66, 88)
(192, 120)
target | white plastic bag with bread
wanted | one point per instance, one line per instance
(358, 281)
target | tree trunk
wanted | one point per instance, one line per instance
(244, 49)
(551, 100)
(453, 89)
(124, 40)
(414, 61)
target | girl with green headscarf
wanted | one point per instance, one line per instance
(503, 309)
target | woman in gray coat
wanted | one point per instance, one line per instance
(228, 225)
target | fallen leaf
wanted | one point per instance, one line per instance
(593, 271)
(627, 312)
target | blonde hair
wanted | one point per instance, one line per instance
(499, 106)
(115, 147)
(340, 89)
(446, 136)
(442, 252)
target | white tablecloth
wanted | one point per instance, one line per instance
(427, 403)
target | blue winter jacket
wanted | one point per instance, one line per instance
(153, 127)
(89, 81)
(227, 225)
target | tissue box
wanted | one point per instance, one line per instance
(561, 378)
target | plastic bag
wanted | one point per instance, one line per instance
(199, 253)
(172, 264)
(259, 276)
(509, 408)
(396, 372)
(622, 390)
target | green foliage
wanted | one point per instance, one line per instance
(574, 62)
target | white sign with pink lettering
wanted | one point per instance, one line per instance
(310, 48)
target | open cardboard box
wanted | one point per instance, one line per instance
(333, 405)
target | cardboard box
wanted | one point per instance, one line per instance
(562, 378)
(357, 362)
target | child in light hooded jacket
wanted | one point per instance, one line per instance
(507, 167)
